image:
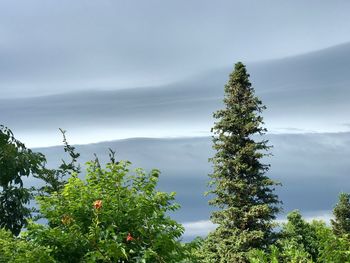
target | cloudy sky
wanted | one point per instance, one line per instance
(118, 70)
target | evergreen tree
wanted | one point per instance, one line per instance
(341, 212)
(243, 194)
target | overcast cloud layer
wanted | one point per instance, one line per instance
(50, 47)
(304, 93)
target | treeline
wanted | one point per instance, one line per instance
(115, 214)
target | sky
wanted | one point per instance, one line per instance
(117, 70)
(50, 47)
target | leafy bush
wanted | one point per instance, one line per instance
(303, 242)
(299, 236)
(193, 251)
(112, 216)
(260, 256)
(19, 250)
(332, 248)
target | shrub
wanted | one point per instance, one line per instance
(332, 248)
(112, 216)
(18, 250)
(299, 236)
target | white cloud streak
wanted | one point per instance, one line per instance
(198, 228)
(203, 227)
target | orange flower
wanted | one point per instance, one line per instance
(66, 220)
(98, 204)
(129, 237)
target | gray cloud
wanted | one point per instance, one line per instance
(303, 93)
(50, 47)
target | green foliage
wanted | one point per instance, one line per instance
(289, 253)
(193, 251)
(298, 241)
(341, 222)
(292, 252)
(303, 242)
(55, 179)
(260, 256)
(332, 248)
(19, 250)
(244, 195)
(113, 215)
(16, 162)
(299, 235)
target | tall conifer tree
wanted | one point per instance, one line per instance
(243, 194)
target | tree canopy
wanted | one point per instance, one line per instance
(16, 162)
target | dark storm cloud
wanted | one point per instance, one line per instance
(50, 47)
(313, 168)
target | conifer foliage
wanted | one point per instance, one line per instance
(243, 195)
(341, 221)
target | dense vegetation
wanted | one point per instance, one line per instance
(115, 214)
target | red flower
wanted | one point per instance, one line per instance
(129, 237)
(98, 204)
